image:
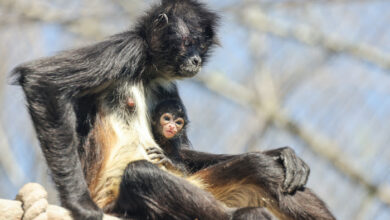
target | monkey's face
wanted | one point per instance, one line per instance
(170, 125)
(191, 51)
(182, 37)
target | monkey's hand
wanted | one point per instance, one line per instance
(158, 157)
(296, 170)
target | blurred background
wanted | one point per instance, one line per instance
(310, 74)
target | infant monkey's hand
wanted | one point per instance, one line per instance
(157, 156)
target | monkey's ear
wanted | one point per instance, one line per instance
(161, 21)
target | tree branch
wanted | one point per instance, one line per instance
(255, 18)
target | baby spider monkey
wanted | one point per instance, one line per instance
(169, 122)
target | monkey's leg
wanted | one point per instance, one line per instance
(255, 179)
(147, 192)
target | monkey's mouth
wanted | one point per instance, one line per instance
(169, 134)
(189, 70)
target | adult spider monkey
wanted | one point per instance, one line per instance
(222, 180)
(77, 101)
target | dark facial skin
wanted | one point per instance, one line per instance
(181, 40)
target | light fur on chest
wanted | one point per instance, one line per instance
(128, 138)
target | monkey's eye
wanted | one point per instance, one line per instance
(165, 118)
(179, 121)
(203, 47)
(186, 41)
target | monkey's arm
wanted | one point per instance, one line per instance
(196, 160)
(296, 170)
(75, 73)
(53, 86)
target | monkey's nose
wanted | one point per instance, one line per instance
(196, 60)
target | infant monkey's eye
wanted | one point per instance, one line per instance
(179, 121)
(166, 117)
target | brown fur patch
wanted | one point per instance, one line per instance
(238, 194)
(105, 138)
